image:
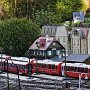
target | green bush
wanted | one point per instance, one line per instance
(16, 35)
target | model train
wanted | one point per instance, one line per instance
(63, 69)
(10, 64)
(44, 66)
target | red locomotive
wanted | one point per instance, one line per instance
(13, 63)
(75, 69)
(46, 66)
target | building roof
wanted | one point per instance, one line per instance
(44, 43)
(78, 57)
(58, 59)
(72, 58)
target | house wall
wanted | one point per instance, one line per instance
(59, 32)
(80, 45)
(84, 44)
(88, 43)
(75, 44)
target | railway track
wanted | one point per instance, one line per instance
(40, 84)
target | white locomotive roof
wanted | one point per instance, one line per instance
(4, 56)
(2, 60)
(47, 61)
(20, 58)
(17, 62)
(81, 65)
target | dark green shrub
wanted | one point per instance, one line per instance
(16, 35)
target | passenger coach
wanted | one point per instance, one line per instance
(75, 69)
(46, 66)
(22, 63)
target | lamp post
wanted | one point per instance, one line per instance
(7, 72)
(29, 69)
(64, 51)
(1, 50)
(18, 78)
(37, 54)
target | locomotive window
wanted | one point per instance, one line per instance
(56, 67)
(43, 66)
(9, 64)
(79, 69)
(27, 67)
(53, 66)
(89, 71)
(68, 68)
(5, 64)
(21, 66)
(39, 65)
(72, 68)
(82, 70)
(75, 69)
(65, 68)
(86, 70)
(15, 65)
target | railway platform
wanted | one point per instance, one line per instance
(33, 76)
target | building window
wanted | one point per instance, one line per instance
(49, 53)
(63, 39)
(54, 30)
(58, 52)
(43, 53)
(74, 42)
(44, 30)
(34, 52)
(50, 31)
(78, 50)
(75, 33)
(40, 52)
(78, 42)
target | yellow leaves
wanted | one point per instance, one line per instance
(85, 5)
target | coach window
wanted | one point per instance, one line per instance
(49, 66)
(75, 69)
(53, 66)
(86, 70)
(82, 70)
